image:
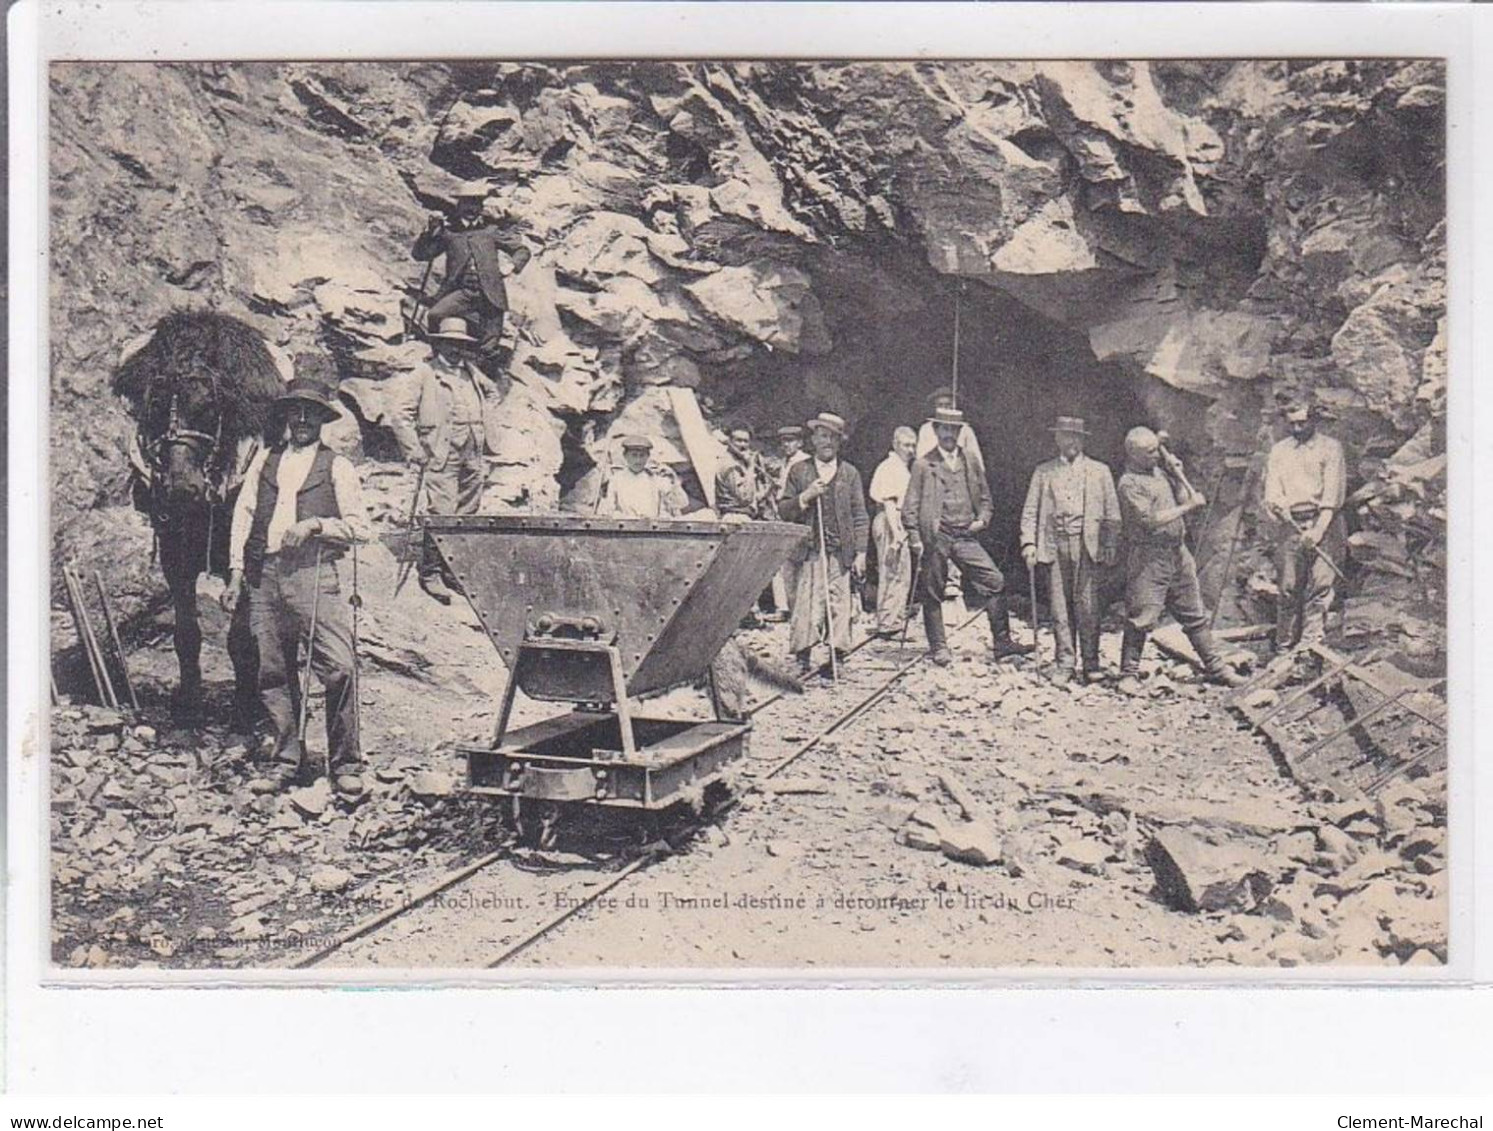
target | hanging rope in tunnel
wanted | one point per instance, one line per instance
(954, 380)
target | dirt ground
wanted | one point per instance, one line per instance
(1081, 816)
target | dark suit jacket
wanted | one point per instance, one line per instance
(473, 251)
(846, 498)
(923, 506)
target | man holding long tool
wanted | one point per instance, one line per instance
(300, 510)
(1160, 573)
(449, 426)
(826, 493)
(948, 505)
(1305, 484)
(1071, 523)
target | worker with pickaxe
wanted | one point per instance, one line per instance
(1305, 484)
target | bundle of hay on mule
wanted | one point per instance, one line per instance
(201, 391)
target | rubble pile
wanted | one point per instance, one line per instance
(173, 847)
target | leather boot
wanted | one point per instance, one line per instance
(938, 642)
(1000, 630)
(1213, 666)
(1132, 644)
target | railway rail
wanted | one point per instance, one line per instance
(374, 924)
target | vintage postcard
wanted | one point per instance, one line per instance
(715, 516)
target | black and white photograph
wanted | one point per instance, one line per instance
(721, 515)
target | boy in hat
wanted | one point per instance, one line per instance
(1071, 523)
(478, 257)
(948, 504)
(449, 425)
(825, 492)
(1305, 484)
(634, 491)
(1160, 573)
(943, 397)
(300, 510)
(893, 558)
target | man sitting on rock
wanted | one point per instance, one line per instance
(1160, 574)
(300, 509)
(636, 490)
(478, 257)
(449, 425)
(826, 493)
(948, 504)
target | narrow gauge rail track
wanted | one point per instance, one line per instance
(378, 922)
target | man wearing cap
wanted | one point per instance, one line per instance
(478, 256)
(826, 493)
(1305, 484)
(893, 558)
(1160, 573)
(943, 397)
(1071, 523)
(449, 424)
(741, 484)
(300, 510)
(637, 491)
(947, 506)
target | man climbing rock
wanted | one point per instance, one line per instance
(1071, 523)
(948, 505)
(300, 510)
(1160, 574)
(1305, 483)
(636, 490)
(893, 556)
(449, 425)
(825, 492)
(479, 255)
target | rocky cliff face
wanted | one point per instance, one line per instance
(1182, 241)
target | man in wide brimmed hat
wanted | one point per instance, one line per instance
(637, 490)
(479, 258)
(1305, 485)
(943, 397)
(300, 510)
(1071, 523)
(825, 492)
(450, 423)
(948, 505)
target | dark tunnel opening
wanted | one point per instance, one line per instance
(893, 334)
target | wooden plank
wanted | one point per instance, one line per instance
(703, 449)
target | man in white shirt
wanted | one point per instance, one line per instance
(791, 441)
(1305, 484)
(893, 559)
(299, 511)
(637, 491)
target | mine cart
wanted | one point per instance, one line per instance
(596, 612)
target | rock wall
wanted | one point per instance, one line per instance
(780, 237)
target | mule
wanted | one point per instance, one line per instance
(200, 391)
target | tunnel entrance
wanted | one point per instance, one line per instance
(892, 324)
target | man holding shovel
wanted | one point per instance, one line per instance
(299, 512)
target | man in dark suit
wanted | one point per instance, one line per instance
(474, 289)
(947, 506)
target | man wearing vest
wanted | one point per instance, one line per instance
(478, 257)
(300, 505)
(947, 506)
(450, 426)
(1071, 523)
